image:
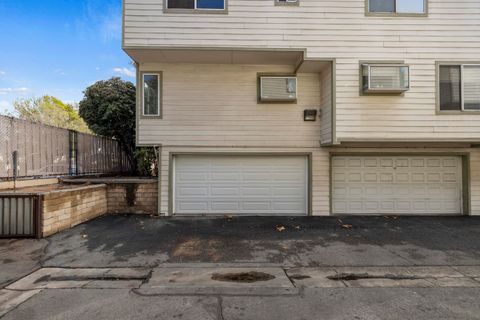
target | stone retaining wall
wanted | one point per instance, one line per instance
(132, 197)
(64, 209)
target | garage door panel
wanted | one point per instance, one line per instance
(287, 206)
(394, 185)
(193, 176)
(256, 176)
(287, 191)
(199, 191)
(223, 192)
(242, 184)
(223, 206)
(190, 205)
(257, 191)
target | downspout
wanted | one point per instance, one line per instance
(159, 174)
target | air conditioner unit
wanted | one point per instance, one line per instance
(278, 88)
(385, 78)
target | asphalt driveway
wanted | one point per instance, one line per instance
(141, 241)
(422, 268)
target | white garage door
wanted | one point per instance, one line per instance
(251, 185)
(397, 185)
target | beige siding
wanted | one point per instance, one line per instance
(216, 105)
(339, 29)
(475, 181)
(326, 105)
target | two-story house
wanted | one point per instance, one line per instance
(310, 107)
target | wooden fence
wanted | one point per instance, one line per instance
(38, 150)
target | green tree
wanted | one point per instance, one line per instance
(108, 107)
(51, 111)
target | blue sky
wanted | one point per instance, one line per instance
(59, 47)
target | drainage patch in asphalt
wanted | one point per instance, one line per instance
(299, 277)
(360, 276)
(243, 277)
(48, 278)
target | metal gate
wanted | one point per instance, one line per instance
(20, 215)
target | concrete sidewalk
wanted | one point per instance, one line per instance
(245, 293)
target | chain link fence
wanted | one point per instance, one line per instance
(30, 149)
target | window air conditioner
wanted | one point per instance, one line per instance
(278, 88)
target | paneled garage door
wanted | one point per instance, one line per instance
(251, 185)
(397, 185)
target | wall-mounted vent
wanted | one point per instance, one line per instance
(385, 78)
(277, 88)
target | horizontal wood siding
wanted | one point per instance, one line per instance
(339, 29)
(216, 105)
(475, 182)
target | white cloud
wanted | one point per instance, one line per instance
(100, 19)
(60, 72)
(4, 104)
(2, 73)
(125, 72)
(111, 27)
(21, 90)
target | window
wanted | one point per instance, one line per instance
(397, 6)
(385, 78)
(287, 2)
(196, 4)
(459, 87)
(151, 94)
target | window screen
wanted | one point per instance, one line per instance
(450, 88)
(151, 94)
(471, 87)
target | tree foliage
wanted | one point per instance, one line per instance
(51, 111)
(146, 161)
(108, 107)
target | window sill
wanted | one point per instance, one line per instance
(396, 15)
(455, 112)
(155, 116)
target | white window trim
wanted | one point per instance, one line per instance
(195, 8)
(462, 86)
(158, 94)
